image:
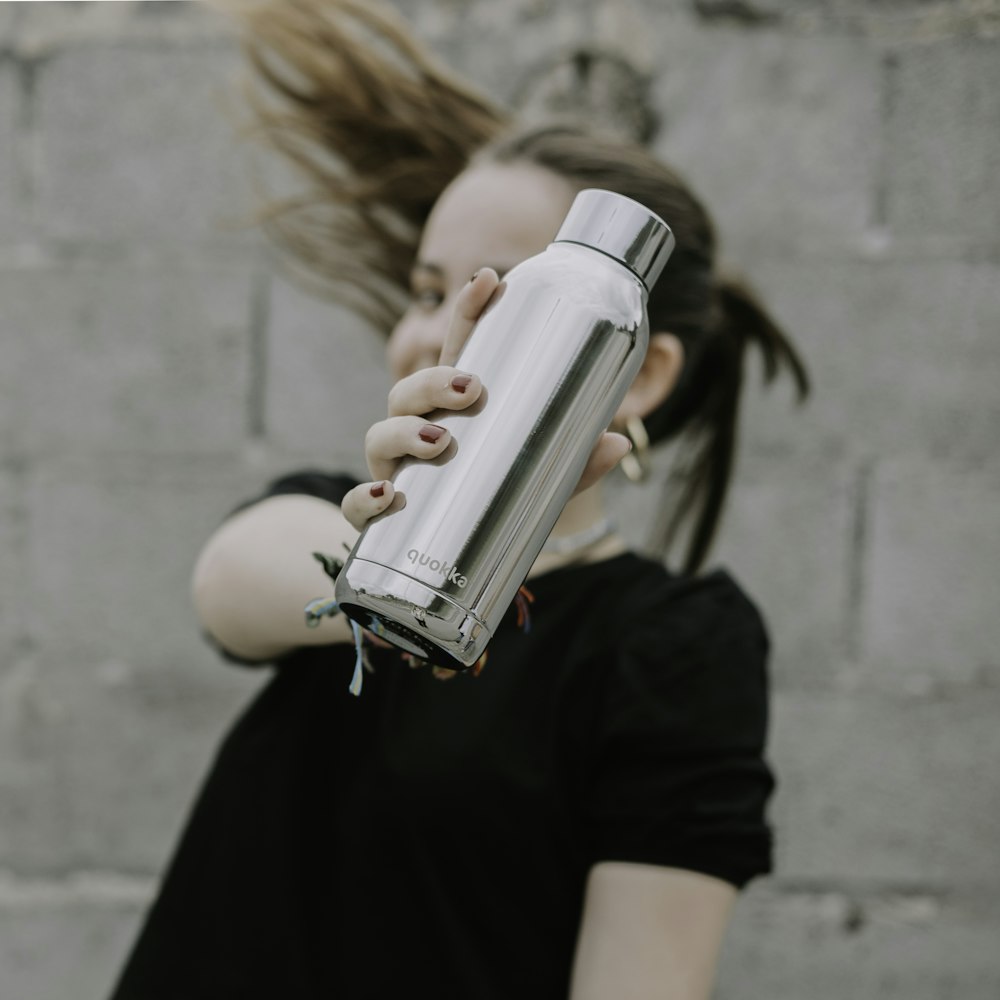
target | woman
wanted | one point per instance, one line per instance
(577, 819)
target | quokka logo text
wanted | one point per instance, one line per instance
(450, 573)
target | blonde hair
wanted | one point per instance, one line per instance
(378, 128)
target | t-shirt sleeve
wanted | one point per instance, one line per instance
(679, 776)
(310, 482)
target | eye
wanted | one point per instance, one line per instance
(425, 298)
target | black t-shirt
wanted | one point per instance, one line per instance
(434, 837)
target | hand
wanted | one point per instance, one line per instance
(406, 433)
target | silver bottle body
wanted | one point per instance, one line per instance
(556, 353)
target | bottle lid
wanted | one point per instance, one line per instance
(620, 228)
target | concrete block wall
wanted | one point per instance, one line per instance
(155, 370)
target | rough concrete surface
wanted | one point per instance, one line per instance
(156, 369)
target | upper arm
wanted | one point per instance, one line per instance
(649, 931)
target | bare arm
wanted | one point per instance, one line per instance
(256, 574)
(649, 932)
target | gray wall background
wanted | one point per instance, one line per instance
(154, 370)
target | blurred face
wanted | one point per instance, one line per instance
(492, 215)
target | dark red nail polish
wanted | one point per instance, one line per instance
(461, 382)
(431, 433)
(378, 490)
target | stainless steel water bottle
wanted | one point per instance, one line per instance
(556, 350)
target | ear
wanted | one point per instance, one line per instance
(657, 377)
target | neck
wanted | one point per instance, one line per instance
(582, 513)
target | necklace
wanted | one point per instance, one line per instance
(565, 544)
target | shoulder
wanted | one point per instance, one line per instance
(707, 593)
(701, 616)
(652, 621)
(646, 592)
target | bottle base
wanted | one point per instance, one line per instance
(410, 614)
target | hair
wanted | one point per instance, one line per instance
(380, 129)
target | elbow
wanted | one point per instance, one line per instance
(220, 606)
(203, 589)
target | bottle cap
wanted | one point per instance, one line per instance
(620, 228)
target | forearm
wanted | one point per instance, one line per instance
(256, 574)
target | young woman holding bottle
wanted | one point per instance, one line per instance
(577, 819)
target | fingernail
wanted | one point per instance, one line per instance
(431, 433)
(461, 382)
(378, 490)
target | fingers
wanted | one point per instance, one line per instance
(392, 439)
(610, 449)
(366, 501)
(469, 305)
(404, 433)
(442, 387)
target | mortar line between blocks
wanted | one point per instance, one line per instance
(26, 158)
(260, 305)
(857, 561)
(887, 106)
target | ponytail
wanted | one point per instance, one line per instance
(751, 323)
(703, 413)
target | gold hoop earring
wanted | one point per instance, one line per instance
(635, 464)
